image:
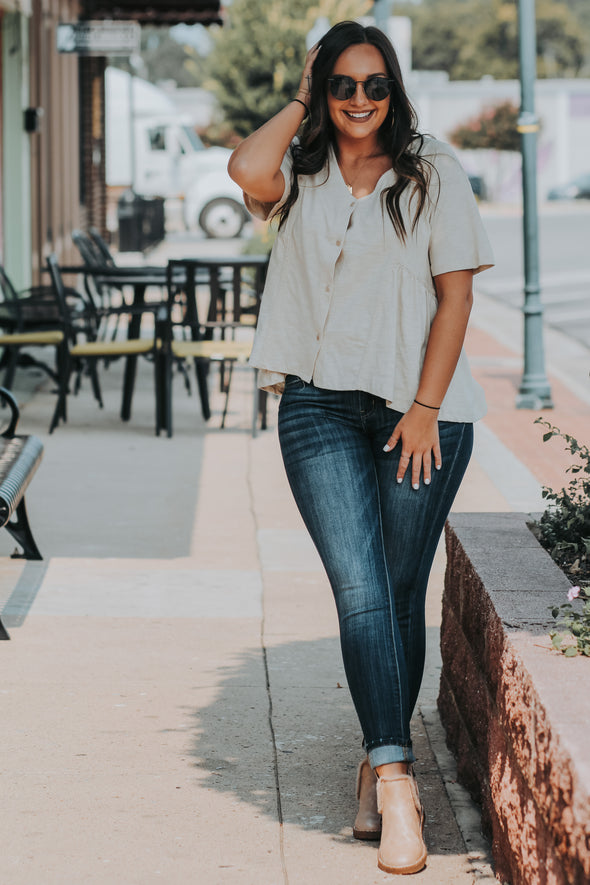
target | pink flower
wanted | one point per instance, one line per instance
(573, 593)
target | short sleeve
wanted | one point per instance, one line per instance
(266, 210)
(458, 240)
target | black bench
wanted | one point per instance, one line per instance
(19, 458)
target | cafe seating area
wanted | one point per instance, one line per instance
(191, 319)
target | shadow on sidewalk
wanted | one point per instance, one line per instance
(317, 740)
(316, 737)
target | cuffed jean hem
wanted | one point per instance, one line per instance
(387, 753)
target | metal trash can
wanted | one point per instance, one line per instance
(141, 221)
(478, 186)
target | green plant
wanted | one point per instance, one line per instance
(564, 530)
(564, 527)
(576, 623)
(262, 241)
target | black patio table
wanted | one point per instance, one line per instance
(208, 270)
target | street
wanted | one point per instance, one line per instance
(564, 260)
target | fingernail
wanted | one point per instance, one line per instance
(387, 448)
(438, 466)
(426, 482)
(416, 486)
(399, 479)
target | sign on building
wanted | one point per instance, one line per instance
(99, 38)
(22, 6)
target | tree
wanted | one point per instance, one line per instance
(164, 58)
(474, 38)
(494, 127)
(257, 59)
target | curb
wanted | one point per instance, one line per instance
(467, 812)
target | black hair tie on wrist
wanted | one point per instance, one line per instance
(434, 408)
(298, 100)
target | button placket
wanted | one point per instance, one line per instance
(339, 235)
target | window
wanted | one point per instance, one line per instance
(157, 138)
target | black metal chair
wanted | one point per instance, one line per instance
(90, 350)
(101, 247)
(108, 296)
(108, 299)
(224, 338)
(31, 323)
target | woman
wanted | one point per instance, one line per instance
(361, 330)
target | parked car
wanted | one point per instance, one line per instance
(576, 189)
(214, 203)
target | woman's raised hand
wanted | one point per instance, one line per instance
(255, 164)
(305, 85)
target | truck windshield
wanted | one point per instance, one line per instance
(193, 138)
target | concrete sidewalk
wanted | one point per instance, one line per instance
(173, 703)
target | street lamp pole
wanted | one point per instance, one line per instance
(534, 391)
(382, 9)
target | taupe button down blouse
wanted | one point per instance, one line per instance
(349, 305)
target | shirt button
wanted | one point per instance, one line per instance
(338, 242)
(317, 337)
(327, 288)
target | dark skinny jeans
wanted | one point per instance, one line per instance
(377, 541)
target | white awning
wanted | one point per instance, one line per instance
(157, 12)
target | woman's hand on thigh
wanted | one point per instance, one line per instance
(417, 433)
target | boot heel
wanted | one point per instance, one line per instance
(367, 825)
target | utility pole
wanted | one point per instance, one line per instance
(534, 391)
(382, 10)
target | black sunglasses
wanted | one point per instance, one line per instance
(376, 88)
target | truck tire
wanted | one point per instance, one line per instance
(222, 218)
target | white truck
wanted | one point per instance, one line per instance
(154, 150)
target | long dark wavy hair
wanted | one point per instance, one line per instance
(398, 134)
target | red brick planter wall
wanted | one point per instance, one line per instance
(517, 715)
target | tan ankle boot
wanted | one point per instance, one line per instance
(367, 824)
(402, 848)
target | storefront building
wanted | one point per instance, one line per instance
(15, 167)
(39, 144)
(52, 171)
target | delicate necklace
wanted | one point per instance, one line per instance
(350, 184)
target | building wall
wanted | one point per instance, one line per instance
(563, 108)
(15, 159)
(55, 166)
(1, 141)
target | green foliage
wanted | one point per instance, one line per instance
(261, 242)
(576, 624)
(163, 58)
(494, 127)
(256, 63)
(475, 38)
(564, 527)
(564, 530)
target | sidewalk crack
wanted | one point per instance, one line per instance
(264, 651)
